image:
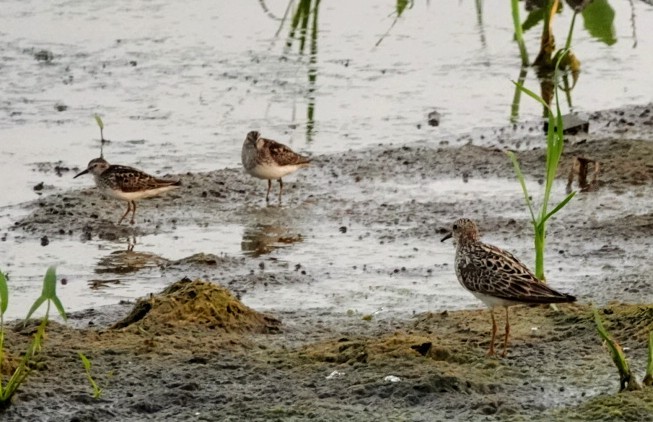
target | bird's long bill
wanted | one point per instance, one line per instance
(448, 236)
(80, 173)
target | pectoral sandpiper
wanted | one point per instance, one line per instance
(496, 277)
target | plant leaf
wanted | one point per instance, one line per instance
(531, 94)
(559, 206)
(533, 19)
(35, 306)
(4, 294)
(616, 352)
(401, 6)
(598, 18)
(522, 182)
(648, 378)
(59, 306)
(85, 361)
(50, 283)
(2, 356)
(99, 121)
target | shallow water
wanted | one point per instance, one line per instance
(179, 86)
(361, 270)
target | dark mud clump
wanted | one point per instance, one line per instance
(197, 303)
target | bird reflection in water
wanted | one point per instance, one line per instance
(124, 262)
(261, 239)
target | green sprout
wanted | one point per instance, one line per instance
(554, 146)
(48, 294)
(628, 380)
(97, 391)
(648, 378)
(100, 124)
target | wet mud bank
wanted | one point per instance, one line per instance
(194, 352)
(205, 353)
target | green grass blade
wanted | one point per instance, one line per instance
(22, 370)
(648, 379)
(37, 304)
(4, 294)
(627, 379)
(85, 361)
(50, 283)
(59, 306)
(558, 207)
(522, 182)
(519, 33)
(2, 356)
(99, 121)
(97, 391)
(16, 379)
(615, 350)
(306, 5)
(531, 94)
(294, 23)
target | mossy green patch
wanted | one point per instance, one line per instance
(626, 406)
(188, 303)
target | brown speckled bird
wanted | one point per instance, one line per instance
(496, 277)
(126, 183)
(268, 159)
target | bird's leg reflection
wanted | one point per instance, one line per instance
(131, 242)
(261, 239)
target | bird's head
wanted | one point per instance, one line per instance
(96, 167)
(463, 230)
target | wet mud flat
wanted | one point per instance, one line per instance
(199, 354)
(339, 364)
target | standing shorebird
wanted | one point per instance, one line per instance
(496, 277)
(268, 159)
(126, 183)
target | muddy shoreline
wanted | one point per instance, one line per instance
(383, 196)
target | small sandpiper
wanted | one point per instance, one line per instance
(126, 183)
(268, 159)
(496, 277)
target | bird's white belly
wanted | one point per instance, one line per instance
(493, 302)
(272, 172)
(132, 196)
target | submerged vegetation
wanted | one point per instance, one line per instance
(399, 10)
(598, 17)
(304, 24)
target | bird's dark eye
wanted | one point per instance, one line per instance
(455, 226)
